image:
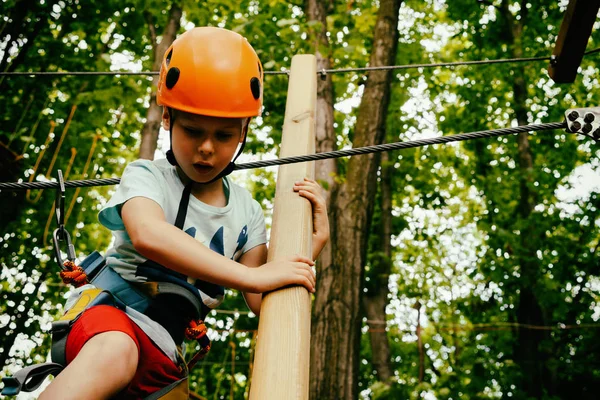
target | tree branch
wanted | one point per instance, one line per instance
(150, 22)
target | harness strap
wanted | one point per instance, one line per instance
(197, 329)
(60, 332)
(168, 287)
(62, 327)
(176, 390)
(29, 379)
(183, 205)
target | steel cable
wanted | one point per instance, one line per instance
(316, 156)
(321, 72)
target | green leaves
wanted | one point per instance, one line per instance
(462, 246)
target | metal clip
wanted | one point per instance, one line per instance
(323, 74)
(60, 233)
(585, 121)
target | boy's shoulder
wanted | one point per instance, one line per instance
(158, 168)
(242, 194)
(159, 165)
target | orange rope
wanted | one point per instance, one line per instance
(37, 164)
(74, 274)
(197, 331)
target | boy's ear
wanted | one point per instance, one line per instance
(166, 120)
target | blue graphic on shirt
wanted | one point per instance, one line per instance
(192, 232)
(242, 239)
(216, 243)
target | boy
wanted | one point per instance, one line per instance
(183, 224)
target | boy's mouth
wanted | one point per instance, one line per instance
(203, 168)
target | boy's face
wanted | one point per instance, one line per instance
(204, 146)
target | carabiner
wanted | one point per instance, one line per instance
(61, 233)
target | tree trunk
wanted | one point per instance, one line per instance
(531, 360)
(151, 127)
(337, 316)
(376, 299)
(325, 170)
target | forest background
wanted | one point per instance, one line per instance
(464, 271)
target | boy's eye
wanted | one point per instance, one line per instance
(194, 132)
(224, 135)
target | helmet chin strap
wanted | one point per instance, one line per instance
(228, 169)
(170, 156)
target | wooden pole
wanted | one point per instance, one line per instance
(281, 364)
(574, 34)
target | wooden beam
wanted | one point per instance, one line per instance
(281, 363)
(572, 39)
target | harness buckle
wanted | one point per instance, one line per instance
(60, 327)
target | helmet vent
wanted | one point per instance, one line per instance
(172, 77)
(168, 58)
(254, 87)
(259, 69)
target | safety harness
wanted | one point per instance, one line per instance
(165, 291)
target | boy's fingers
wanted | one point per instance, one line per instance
(302, 259)
(307, 193)
(310, 184)
(306, 260)
(310, 285)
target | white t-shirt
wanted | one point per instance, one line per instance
(231, 230)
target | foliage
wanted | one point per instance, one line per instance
(458, 234)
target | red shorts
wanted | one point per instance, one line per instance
(154, 371)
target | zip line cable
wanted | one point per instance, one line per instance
(321, 72)
(437, 325)
(317, 156)
(403, 145)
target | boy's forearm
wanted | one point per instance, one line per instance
(254, 258)
(171, 247)
(318, 245)
(254, 301)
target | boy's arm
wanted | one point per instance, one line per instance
(253, 258)
(156, 239)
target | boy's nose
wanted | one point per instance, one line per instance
(206, 147)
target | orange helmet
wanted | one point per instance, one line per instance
(211, 71)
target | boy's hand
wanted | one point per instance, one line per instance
(311, 190)
(295, 270)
